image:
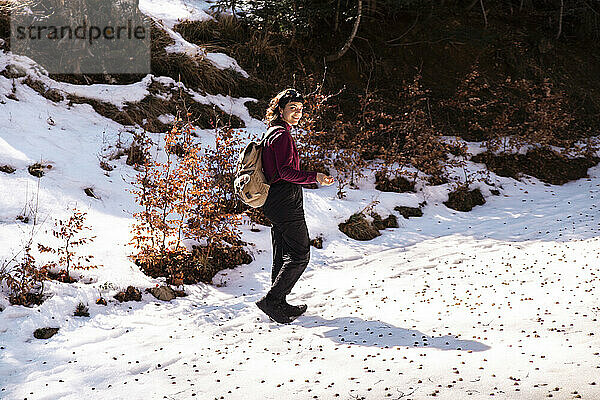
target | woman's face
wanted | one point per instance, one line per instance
(292, 112)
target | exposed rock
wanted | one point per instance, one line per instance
(45, 333)
(130, 294)
(90, 193)
(101, 301)
(36, 170)
(7, 169)
(165, 293)
(317, 242)
(408, 212)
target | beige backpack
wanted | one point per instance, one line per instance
(250, 182)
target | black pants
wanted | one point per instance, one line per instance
(289, 235)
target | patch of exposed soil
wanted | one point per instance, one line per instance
(544, 164)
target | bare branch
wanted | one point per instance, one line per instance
(468, 8)
(560, 18)
(425, 42)
(405, 33)
(484, 14)
(346, 46)
(337, 17)
(591, 8)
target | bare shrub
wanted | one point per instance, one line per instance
(187, 196)
(70, 234)
(24, 280)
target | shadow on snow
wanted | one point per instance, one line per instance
(356, 331)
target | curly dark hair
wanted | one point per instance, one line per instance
(279, 102)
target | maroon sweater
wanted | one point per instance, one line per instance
(281, 155)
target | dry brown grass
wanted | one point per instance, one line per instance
(463, 199)
(4, 25)
(357, 227)
(257, 52)
(54, 95)
(390, 222)
(103, 108)
(397, 184)
(408, 212)
(151, 107)
(36, 85)
(194, 72)
(545, 164)
(221, 31)
(90, 79)
(257, 109)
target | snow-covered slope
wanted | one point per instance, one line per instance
(499, 302)
(169, 13)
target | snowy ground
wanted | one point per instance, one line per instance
(500, 302)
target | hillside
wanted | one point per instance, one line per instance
(497, 302)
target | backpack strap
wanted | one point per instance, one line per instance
(269, 133)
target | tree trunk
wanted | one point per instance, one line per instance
(337, 17)
(346, 46)
(483, 11)
(560, 18)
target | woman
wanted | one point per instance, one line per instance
(284, 206)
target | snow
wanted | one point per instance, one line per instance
(119, 95)
(174, 11)
(498, 301)
(233, 106)
(114, 94)
(170, 13)
(223, 61)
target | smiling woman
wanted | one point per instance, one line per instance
(284, 205)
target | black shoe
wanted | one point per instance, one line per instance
(294, 311)
(274, 310)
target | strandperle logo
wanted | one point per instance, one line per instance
(83, 36)
(82, 32)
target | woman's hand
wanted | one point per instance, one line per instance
(325, 180)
